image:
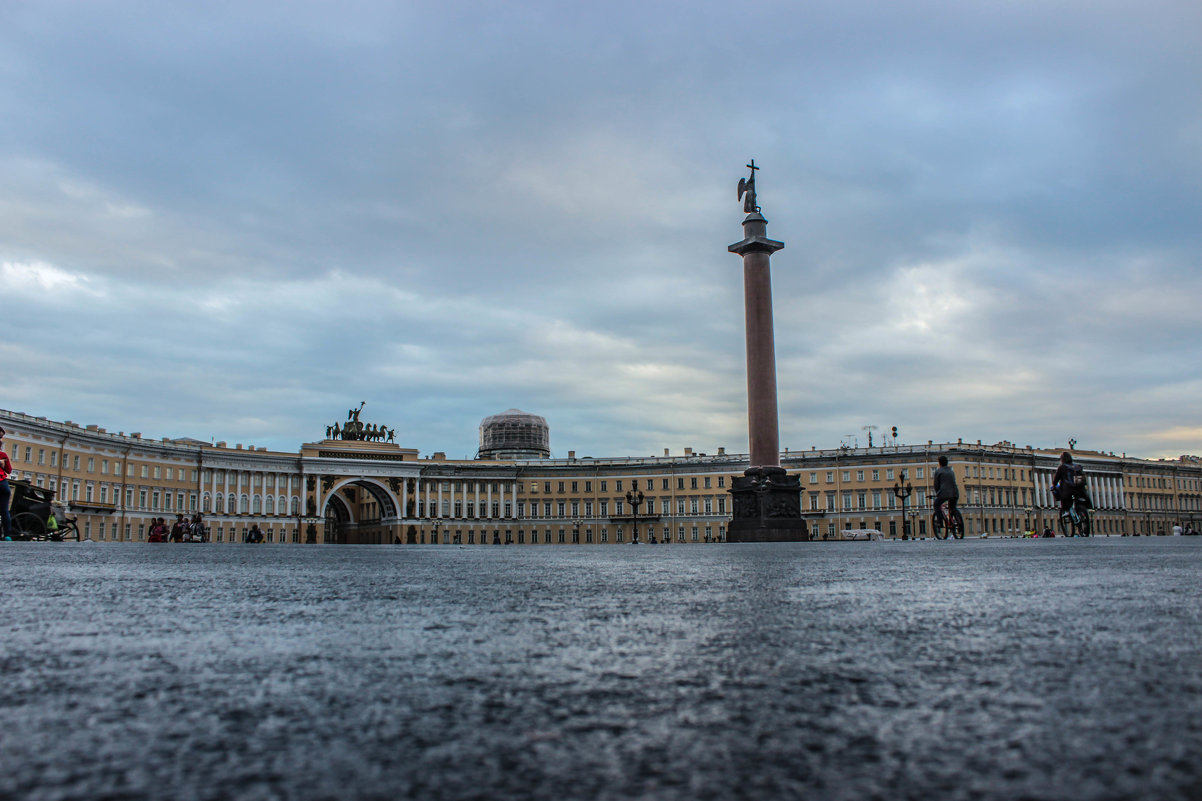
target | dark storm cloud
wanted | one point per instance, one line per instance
(253, 210)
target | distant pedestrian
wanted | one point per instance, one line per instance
(158, 530)
(179, 530)
(197, 532)
(6, 492)
(255, 535)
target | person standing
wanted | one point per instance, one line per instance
(179, 531)
(6, 493)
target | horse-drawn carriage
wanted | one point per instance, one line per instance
(33, 516)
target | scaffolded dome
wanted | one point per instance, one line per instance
(514, 434)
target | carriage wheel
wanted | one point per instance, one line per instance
(28, 526)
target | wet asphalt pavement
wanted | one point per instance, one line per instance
(1011, 669)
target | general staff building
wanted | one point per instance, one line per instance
(378, 492)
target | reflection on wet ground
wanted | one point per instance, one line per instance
(1064, 669)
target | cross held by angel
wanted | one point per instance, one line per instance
(747, 190)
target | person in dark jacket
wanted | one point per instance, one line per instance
(1068, 482)
(946, 490)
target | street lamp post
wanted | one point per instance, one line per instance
(576, 531)
(902, 490)
(635, 499)
(434, 538)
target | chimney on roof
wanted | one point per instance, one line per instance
(688, 451)
(665, 451)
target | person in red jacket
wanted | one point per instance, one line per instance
(6, 492)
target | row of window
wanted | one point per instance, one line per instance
(576, 536)
(694, 482)
(973, 525)
(468, 509)
(76, 463)
(969, 471)
(110, 531)
(251, 504)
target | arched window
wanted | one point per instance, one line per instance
(270, 505)
(257, 505)
(205, 504)
(231, 504)
(219, 507)
(244, 507)
(295, 505)
(283, 505)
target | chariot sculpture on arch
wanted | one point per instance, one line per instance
(355, 430)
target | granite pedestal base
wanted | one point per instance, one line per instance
(766, 504)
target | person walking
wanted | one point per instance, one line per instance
(197, 533)
(6, 493)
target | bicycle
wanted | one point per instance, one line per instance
(1074, 521)
(942, 524)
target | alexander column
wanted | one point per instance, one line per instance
(766, 501)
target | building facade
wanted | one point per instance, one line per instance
(371, 492)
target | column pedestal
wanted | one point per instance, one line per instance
(766, 507)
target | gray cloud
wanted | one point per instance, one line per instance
(229, 220)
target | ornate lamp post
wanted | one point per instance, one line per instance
(434, 536)
(576, 531)
(635, 499)
(902, 490)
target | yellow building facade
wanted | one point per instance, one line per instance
(335, 491)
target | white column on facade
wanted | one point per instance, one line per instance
(476, 495)
(438, 509)
(404, 499)
(488, 508)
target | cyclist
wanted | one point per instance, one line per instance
(946, 490)
(1068, 483)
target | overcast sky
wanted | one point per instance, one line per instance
(236, 220)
